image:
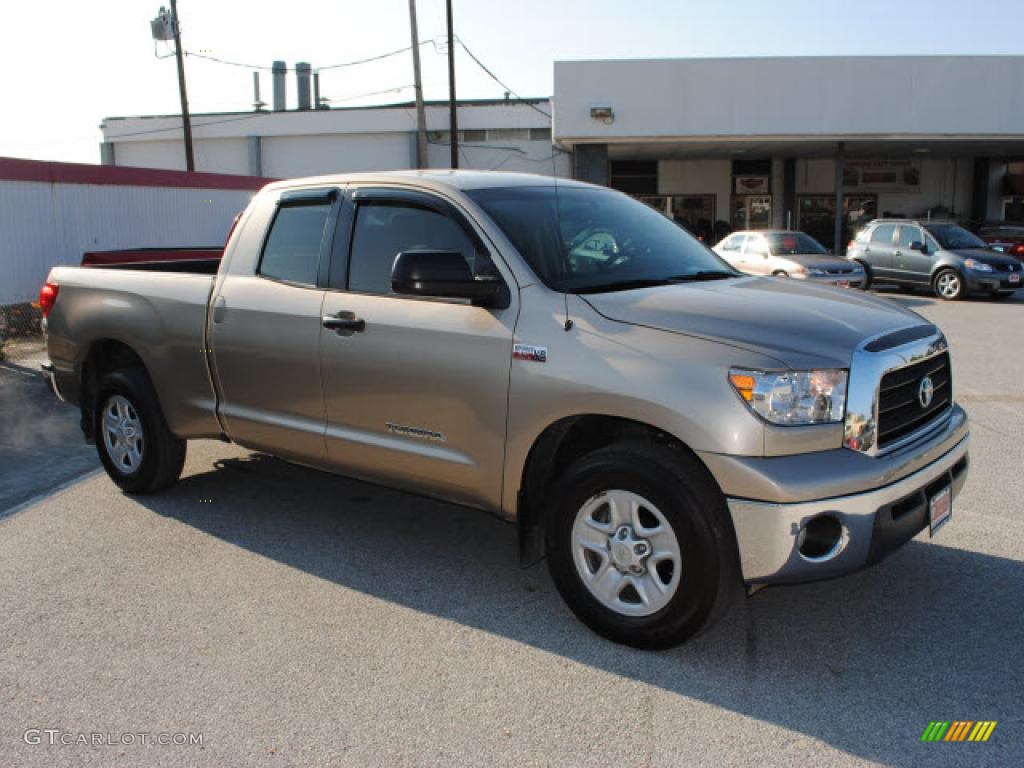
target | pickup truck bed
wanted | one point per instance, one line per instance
(161, 316)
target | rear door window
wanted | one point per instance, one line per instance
(756, 245)
(909, 234)
(883, 234)
(293, 247)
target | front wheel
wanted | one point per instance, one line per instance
(948, 285)
(138, 450)
(640, 545)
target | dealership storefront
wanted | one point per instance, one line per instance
(756, 143)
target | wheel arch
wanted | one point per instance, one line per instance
(102, 357)
(557, 447)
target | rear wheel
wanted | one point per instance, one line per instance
(138, 450)
(640, 545)
(948, 285)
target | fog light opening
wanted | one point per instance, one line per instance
(820, 539)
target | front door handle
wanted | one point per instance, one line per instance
(219, 306)
(344, 323)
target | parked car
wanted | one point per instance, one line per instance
(940, 255)
(661, 427)
(784, 253)
(1005, 237)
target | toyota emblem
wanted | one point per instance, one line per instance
(925, 391)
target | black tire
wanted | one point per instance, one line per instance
(162, 452)
(691, 502)
(948, 273)
(866, 282)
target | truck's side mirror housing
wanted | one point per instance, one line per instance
(443, 274)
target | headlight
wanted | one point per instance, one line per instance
(793, 397)
(977, 266)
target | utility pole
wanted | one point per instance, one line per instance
(421, 115)
(453, 121)
(186, 121)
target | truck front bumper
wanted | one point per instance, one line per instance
(873, 521)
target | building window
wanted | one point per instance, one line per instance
(508, 134)
(1013, 208)
(637, 177)
(474, 135)
(696, 213)
(752, 212)
(816, 216)
(540, 134)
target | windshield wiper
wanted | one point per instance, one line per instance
(621, 285)
(628, 285)
(711, 274)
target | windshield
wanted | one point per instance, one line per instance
(589, 240)
(792, 243)
(952, 236)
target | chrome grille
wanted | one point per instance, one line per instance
(900, 410)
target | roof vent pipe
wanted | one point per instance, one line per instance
(257, 103)
(302, 75)
(280, 71)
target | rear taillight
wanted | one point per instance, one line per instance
(1019, 250)
(48, 297)
(849, 245)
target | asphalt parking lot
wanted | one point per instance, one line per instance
(294, 618)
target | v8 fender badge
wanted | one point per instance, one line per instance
(529, 352)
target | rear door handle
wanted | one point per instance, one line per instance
(344, 323)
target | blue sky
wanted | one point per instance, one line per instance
(67, 65)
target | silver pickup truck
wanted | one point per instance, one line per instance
(662, 428)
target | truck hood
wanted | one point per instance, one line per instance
(800, 324)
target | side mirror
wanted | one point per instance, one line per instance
(443, 274)
(917, 245)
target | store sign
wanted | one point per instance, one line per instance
(752, 185)
(881, 173)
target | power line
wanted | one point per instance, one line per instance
(498, 80)
(353, 63)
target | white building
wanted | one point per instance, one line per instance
(757, 142)
(714, 143)
(507, 135)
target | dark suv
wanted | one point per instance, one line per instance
(941, 255)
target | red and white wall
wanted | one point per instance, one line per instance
(50, 213)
